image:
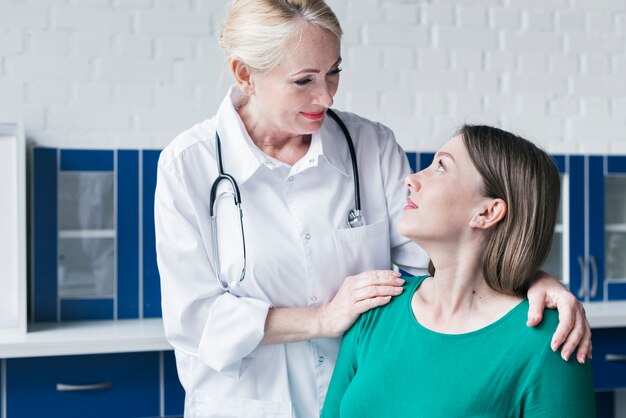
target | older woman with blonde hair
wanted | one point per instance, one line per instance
(455, 344)
(255, 306)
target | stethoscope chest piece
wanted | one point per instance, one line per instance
(355, 218)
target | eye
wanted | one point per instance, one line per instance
(302, 81)
(439, 167)
(336, 71)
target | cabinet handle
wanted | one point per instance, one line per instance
(615, 357)
(583, 273)
(594, 271)
(61, 387)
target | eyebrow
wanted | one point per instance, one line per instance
(314, 70)
(444, 154)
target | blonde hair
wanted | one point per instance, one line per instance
(256, 31)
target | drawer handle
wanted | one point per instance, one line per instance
(615, 357)
(61, 387)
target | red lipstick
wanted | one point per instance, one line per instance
(313, 116)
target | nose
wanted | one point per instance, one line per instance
(325, 94)
(412, 182)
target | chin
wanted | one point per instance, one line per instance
(314, 126)
(408, 230)
(404, 228)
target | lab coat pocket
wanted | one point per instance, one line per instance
(207, 406)
(364, 248)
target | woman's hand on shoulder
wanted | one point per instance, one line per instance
(358, 294)
(573, 330)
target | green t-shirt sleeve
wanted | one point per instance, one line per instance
(559, 389)
(344, 371)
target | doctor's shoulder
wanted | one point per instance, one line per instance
(197, 139)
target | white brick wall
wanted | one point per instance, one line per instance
(134, 73)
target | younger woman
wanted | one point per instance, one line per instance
(455, 343)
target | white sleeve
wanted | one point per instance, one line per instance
(395, 167)
(199, 318)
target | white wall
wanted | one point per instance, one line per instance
(134, 73)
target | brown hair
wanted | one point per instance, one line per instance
(525, 177)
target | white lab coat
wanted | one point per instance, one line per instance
(299, 249)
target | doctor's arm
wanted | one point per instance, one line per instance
(357, 294)
(199, 318)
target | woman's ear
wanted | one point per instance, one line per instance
(242, 75)
(489, 214)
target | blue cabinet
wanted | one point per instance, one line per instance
(597, 226)
(590, 237)
(609, 358)
(94, 257)
(173, 394)
(142, 384)
(2, 388)
(92, 232)
(106, 385)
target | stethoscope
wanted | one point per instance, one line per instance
(354, 218)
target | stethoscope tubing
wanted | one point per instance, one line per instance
(355, 167)
(354, 216)
(221, 176)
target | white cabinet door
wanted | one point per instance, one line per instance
(12, 230)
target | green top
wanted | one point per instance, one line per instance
(391, 366)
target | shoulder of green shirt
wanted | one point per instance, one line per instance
(411, 283)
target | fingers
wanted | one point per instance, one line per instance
(374, 288)
(537, 303)
(585, 347)
(378, 277)
(580, 337)
(358, 294)
(367, 304)
(377, 283)
(376, 291)
(573, 339)
(564, 329)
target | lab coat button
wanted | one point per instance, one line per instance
(290, 178)
(307, 236)
(312, 160)
(313, 298)
(321, 359)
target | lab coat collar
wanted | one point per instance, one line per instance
(334, 147)
(242, 158)
(238, 155)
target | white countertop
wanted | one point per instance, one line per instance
(86, 337)
(131, 335)
(606, 314)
